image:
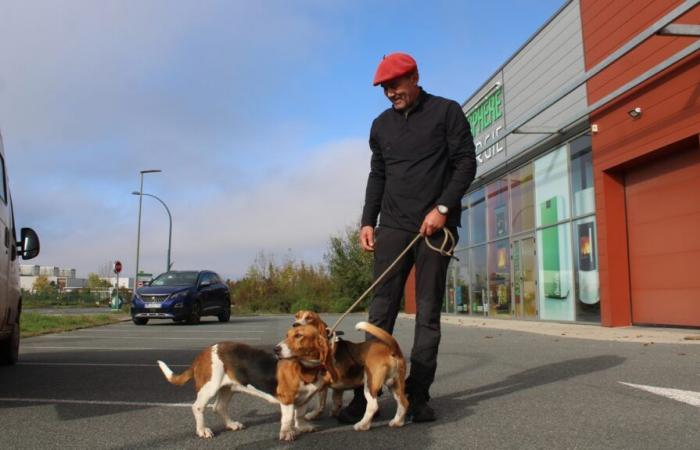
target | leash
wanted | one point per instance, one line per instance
(449, 239)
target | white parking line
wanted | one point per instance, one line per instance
(79, 364)
(64, 336)
(93, 402)
(689, 397)
(132, 330)
(116, 349)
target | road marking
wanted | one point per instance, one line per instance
(78, 364)
(131, 330)
(63, 336)
(48, 347)
(689, 397)
(93, 402)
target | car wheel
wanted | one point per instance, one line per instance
(9, 347)
(140, 320)
(225, 315)
(195, 314)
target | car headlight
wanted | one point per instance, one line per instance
(178, 297)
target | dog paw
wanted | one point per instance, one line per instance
(313, 415)
(205, 433)
(287, 435)
(359, 426)
(306, 428)
(235, 426)
(396, 423)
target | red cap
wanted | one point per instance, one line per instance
(393, 66)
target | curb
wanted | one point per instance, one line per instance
(635, 334)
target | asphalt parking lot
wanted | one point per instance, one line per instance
(100, 388)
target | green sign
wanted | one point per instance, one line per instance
(487, 112)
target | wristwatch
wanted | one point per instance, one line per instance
(442, 209)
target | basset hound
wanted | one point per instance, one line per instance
(290, 377)
(372, 364)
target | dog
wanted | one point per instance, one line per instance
(290, 377)
(371, 364)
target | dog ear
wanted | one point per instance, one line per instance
(326, 356)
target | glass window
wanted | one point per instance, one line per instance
(499, 278)
(582, 176)
(586, 274)
(477, 279)
(555, 275)
(461, 282)
(477, 217)
(552, 188)
(497, 209)
(464, 230)
(522, 198)
(448, 304)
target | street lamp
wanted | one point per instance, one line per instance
(170, 217)
(138, 232)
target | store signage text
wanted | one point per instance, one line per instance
(487, 112)
(482, 119)
(491, 150)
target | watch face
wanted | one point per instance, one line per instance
(442, 209)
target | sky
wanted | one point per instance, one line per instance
(257, 113)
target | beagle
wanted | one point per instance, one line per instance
(371, 364)
(289, 378)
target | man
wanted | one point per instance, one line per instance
(422, 164)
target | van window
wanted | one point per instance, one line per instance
(3, 188)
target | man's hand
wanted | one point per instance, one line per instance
(433, 222)
(367, 238)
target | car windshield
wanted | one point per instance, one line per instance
(175, 279)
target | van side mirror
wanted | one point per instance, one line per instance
(28, 247)
(205, 283)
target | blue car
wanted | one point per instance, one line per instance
(183, 296)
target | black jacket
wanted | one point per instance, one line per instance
(420, 159)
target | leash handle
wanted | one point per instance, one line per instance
(449, 239)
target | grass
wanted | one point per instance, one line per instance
(34, 324)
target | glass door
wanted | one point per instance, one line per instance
(524, 277)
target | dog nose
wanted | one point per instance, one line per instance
(278, 349)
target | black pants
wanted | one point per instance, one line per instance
(431, 275)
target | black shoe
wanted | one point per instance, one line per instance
(420, 411)
(355, 411)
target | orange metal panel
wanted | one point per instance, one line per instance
(410, 293)
(663, 217)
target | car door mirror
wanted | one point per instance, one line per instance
(28, 247)
(205, 283)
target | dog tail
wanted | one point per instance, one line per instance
(381, 335)
(177, 380)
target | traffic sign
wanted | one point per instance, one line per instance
(117, 266)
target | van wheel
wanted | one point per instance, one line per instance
(195, 314)
(9, 347)
(140, 320)
(225, 315)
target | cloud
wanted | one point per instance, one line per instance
(292, 212)
(93, 92)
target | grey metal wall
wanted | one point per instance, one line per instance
(537, 71)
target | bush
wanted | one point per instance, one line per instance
(341, 304)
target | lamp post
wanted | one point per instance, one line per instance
(170, 228)
(138, 230)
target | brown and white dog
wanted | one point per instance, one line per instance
(289, 379)
(371, 364)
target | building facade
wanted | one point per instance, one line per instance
(584, 205)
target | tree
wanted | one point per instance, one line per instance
(42, 286)
(350, 267)
(95, 282)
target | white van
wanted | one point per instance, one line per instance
(27, 248)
